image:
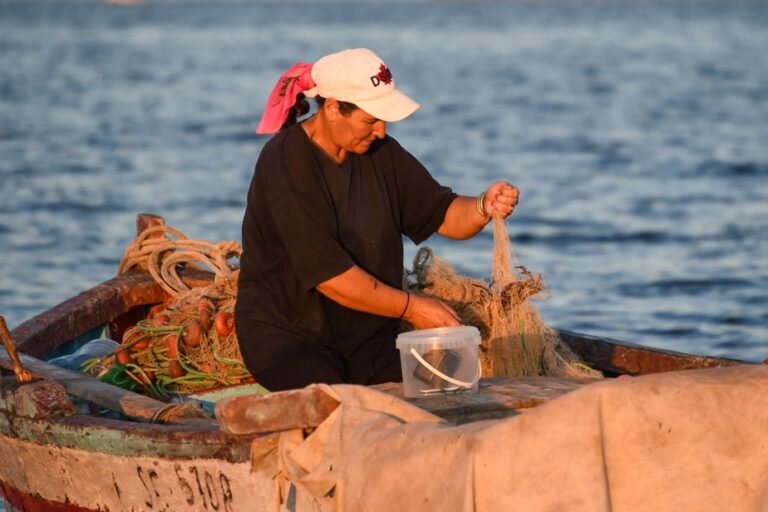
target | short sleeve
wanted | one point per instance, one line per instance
(423, 201)
(303, 213)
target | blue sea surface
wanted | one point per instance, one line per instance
(636, 131)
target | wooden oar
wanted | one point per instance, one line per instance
(22, 375)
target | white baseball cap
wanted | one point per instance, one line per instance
(359, 76)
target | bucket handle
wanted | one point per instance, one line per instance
(456, 382)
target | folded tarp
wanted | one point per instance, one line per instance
(681, 441)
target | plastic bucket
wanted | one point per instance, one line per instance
(441, 360)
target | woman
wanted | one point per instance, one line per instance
(320, 293)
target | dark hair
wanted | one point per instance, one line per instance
(298, 109)
(301, 107)
(345, 107)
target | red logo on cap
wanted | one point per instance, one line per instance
(384, 76)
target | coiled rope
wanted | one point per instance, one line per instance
(161, 256)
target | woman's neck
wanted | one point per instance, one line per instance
(318, 131)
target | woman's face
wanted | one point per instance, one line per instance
(355, 132)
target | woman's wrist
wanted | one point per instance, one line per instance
(480, 208)
(407, 304)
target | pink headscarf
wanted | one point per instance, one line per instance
(283, 97)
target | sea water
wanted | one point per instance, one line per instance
(636, 132)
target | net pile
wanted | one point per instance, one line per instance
(515, 340)
(189, 343)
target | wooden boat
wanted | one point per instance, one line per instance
(56, 457)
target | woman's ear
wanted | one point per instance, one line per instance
(331, 108)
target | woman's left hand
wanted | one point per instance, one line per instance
(501, 198)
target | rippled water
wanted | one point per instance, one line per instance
(637, 132)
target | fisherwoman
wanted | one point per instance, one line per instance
(320, 294)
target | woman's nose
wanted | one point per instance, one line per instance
(380, 129)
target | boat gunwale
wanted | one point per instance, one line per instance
(93, 307)
(126, 438)
(614, 357)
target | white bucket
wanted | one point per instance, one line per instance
(441, 360)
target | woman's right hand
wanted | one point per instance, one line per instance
(425, 313)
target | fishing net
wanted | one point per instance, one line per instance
(515, 340)
(188, 343)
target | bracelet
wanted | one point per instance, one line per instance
(407, 303)
(479, 206)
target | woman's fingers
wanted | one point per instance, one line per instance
(427, 313)
(504, 197)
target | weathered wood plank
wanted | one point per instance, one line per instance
(97, 481)
(126, 438)
(623, 358)
(496, 397)
(101, 304)
(307, 408)
(148, 220)
(42, 399)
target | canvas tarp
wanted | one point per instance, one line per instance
(682, 441)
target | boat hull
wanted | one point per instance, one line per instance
(25, 502)
(48, 477)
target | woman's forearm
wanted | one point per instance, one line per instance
(358, 290)
(462, 219)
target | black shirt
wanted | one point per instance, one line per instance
(309, 219)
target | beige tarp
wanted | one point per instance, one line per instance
(683, 441)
